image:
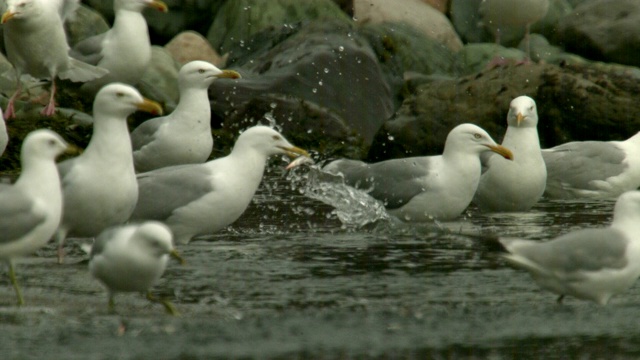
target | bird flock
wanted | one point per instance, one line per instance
(137, 194)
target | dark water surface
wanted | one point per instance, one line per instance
(289, 280)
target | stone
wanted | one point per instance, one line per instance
(188, 46)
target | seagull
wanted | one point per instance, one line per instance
(592, 169)
(131, 258)
(36, 44)
(425, 188)
(30, 210)
(200, 199)
(589, 264)
(99, 186)
(514, 185)
(125, 49)
(184, 136)
(498, 14)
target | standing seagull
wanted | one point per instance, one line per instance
(593, 169)
(36, 44)
(184, 136)
(514, 185)
(125, 49)
(200, 199)
(589, 264)
(30, 210)
(99, 186)
(131, 258)
(498, 14)
(424, 188)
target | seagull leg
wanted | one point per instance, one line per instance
(14, 282)
(50, 109)
(10, 111)
(61, 235)
(168, 306)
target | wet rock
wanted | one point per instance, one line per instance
(575, 102)
(604, 30)
(160, 81)
(325, 64)
(87, 22)
(440, 5)
(238, 21)
(429, 21)
(188, 46)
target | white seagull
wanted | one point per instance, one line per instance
(131, 258)
(30, 210)
(424, 188)
(514, 185)
(99, 186)
(184, 136)
(200, 199)
(589, 264)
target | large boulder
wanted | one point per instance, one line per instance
(604, 30)
(575, 102)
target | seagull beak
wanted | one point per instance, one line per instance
(501, 150)
(150, 106)
(159, 5)
(73, 150)
(174, 254)
(229, 74)
(8, 15)
(519, 118)
(293, 151)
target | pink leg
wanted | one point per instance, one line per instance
(527, 44)
(50, 109)
(10, 111)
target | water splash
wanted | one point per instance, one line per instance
(354, 208)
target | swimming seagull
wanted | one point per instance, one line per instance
(514, 185)
(200, 199)
(131, 258)
(99, 186)
(498, 14)
(36, 44)
(593, 169)
(428, 187)
(184, 136)
(589, 264)
(125, 49)
(30, 210)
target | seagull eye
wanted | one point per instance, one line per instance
(201, 71)
(276, 137)
(477, 136)
(119, 94)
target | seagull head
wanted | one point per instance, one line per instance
(267, 141)
(157, 239)
(469, 138)
(20, 9)
(122, 100)
(42, 144)
(522, 112)
(201, 74)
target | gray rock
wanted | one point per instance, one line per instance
(160, 81)
(575, 102)
(604, 30)
(324, 64)
(86, 23)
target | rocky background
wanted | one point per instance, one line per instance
(374, 79)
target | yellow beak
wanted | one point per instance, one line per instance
(8, 15)
(229, 74)
(174, 254)
(501, 150)
(293, 152)
(519, 118)
(159, 5)
(150, 106)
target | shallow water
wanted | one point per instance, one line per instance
(290, 280)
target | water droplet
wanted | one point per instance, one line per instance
(391, 138)
(273, 105)
(326, 71)
(340, 48)
(314, 90)
(320, 82)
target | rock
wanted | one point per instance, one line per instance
(604, 30)
(160, 81)
(476, 57)
(325, 64)
(86, 23)
(440, 5)
(239, 20)
(188, 46)
(423, 17)
(575, 102)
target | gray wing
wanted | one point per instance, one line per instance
(395, 182)
(581, 251)
(101, 240)
(579, 163)
(164, 190)
(17, 214)
(144, 134)
(89, 50)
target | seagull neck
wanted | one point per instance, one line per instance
(253, 161)
(522, 138)
(39, 176)
(127, 22)
(194, 101)
(110, 137)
